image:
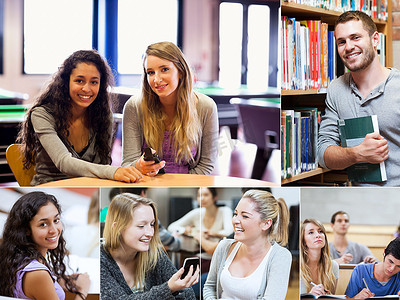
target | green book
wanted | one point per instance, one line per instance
(352, 132)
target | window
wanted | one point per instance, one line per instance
(258, 47)
(141, 23)
(230, 44)
(53, 29)
(244, 49)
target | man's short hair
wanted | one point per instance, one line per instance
(367, 22)
(393, 248)
(340, 212)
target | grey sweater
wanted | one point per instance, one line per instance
(113, 285)
(57, 159)
(344, 101)
(133, 140)
(276, 276)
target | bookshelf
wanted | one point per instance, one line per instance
(295, 99)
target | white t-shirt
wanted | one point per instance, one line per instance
(241, 288)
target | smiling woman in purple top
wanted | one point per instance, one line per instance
(32, 252)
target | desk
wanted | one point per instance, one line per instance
(165, 180)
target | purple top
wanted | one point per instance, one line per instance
(168, 156)
(34, 265)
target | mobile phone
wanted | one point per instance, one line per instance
(149, 156)
(190, 261)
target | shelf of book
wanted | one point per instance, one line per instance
(296, 96)
(304, 175)
(303, 92)
(329, 16)
(326, 15)
(318, 177)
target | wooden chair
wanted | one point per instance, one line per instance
(344, 278)
(14, 157)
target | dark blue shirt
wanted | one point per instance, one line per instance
(366, 271)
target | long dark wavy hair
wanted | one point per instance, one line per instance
(18, 248)
(57, 101)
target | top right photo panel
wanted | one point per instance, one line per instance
(339, 100)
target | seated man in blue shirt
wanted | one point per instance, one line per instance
(381, 279)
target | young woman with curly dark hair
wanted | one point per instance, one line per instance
(68, 131)
(32, 252)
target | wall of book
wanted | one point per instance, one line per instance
(309, 62)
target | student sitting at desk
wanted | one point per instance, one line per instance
(318, 273)
(341, 249)
(33, 250)
(381, 279)
(179, 124)
(133, 265)
(68, 130)
(254, 265)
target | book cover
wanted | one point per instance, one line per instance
(291, 54)
(324, 55)
(297, 121)
(288, 157)
(317, 24)
(352, 132)
(305, 143)
(283, 144)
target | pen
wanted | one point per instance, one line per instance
(366, 284)
(313, 284)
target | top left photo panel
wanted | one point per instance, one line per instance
(168, 93)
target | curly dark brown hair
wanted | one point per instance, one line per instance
(18, 248)
(57, 101)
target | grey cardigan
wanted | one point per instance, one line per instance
(133, 140)
(275, 280)
(113, 285)
(57, 159)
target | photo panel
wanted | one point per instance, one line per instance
(351, 227)
(60, 223)
(193, 222)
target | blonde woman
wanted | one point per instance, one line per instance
(254, 265)
(318, 273)
(179, 124)
(133, 265)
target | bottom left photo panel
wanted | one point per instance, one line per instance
(49, 243)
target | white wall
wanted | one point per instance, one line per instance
(373, 206)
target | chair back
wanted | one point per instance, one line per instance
(15, 156)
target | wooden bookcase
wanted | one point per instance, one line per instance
(292, 99)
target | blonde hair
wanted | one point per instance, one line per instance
(119, 217)
(271, 208)
(325, 272)
(185, 128)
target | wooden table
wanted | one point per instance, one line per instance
(165, 180)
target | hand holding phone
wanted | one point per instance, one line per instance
(191, 261)
(150, 156)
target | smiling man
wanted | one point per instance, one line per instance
(341, 249)
(368, 89)
(381, 279)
